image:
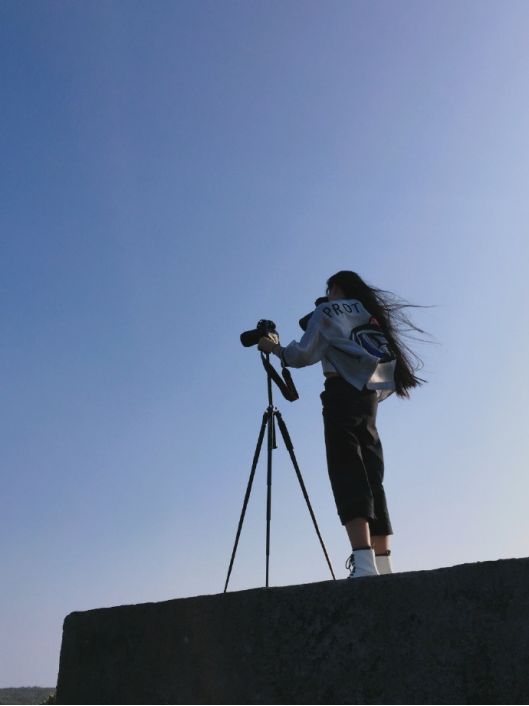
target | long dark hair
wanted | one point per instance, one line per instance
(388, 310)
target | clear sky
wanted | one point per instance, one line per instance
(171, 172)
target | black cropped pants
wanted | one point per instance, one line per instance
(354, 454)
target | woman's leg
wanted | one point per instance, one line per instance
(373, 458)
(382, 553)
(380, 543)
(342, 414)
(358, 533)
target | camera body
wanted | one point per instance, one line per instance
(304, 322)
(251, 338)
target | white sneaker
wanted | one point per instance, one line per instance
(383, 562)
(361, 563)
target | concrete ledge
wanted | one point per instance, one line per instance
(458, 635)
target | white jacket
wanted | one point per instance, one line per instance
(347, 340)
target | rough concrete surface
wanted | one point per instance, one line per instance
(456, 635)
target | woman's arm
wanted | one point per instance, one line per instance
(310, 349)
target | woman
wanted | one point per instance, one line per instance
(356, 334)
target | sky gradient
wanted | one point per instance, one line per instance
(171, 173)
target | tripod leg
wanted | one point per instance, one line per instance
(290, 447)
(248, 491)
(271, 446)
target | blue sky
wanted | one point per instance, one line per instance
(171, 173)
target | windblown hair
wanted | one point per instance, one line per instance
(388, 310)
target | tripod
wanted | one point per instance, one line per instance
(270, 416)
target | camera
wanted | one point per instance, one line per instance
(304, 322)
(251, 338)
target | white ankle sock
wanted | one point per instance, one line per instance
(383, 562)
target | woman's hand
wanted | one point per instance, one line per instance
(268, 343)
